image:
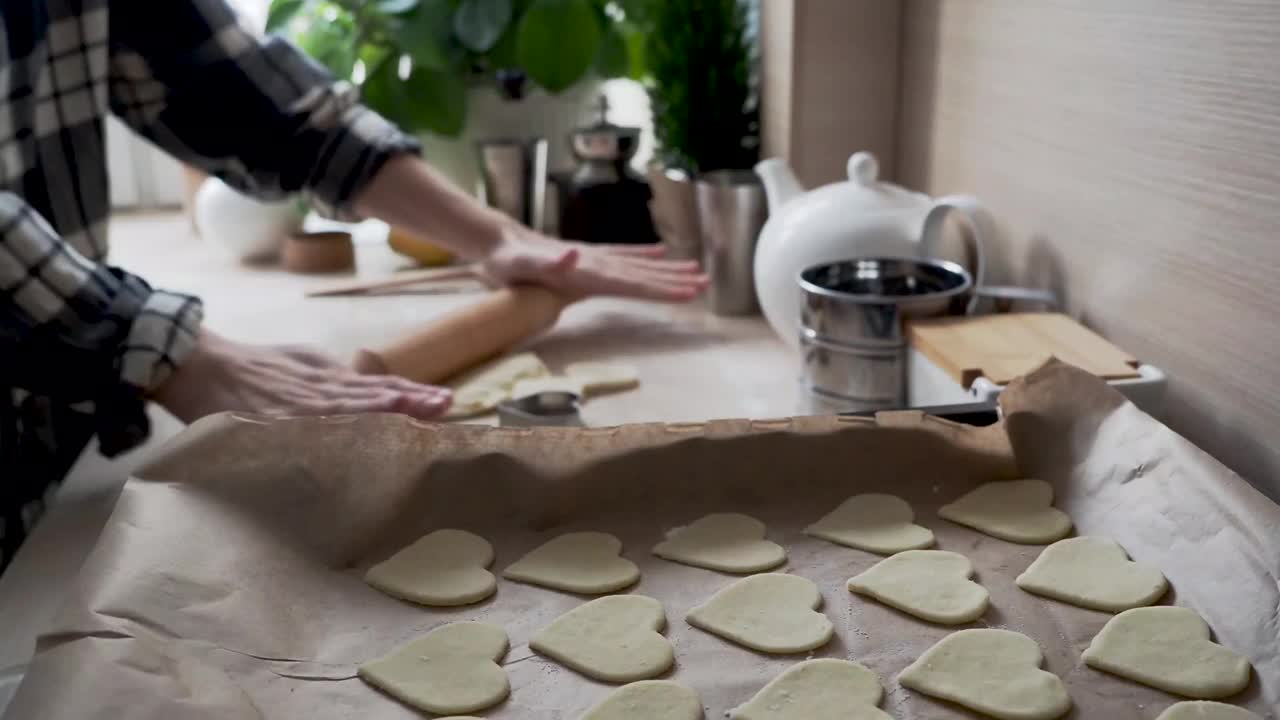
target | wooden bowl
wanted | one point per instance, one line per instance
(319, 252)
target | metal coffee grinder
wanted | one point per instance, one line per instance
(603, 200)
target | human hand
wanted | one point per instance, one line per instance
(224, 375)
(581, 270)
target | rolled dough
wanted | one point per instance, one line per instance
(1093, 572)
(599, 377)
(729, 542)
(443, 568)
(648, 700)
(483, 389)
(452, 669)
(554, 383)
(1169, 649)
(1206, 710)
(874, 522)
(1019, 511)
(932, 585)
(615, 639)
(995, 672)
(823, 689)
(772, 613)
(580, 562)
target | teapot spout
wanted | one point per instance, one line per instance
(780, 183)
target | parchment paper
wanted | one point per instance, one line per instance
(227, 582)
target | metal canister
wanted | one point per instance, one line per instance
(731, 210)
(853, 343)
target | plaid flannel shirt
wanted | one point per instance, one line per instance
(83, 343)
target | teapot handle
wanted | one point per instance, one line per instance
(973, 215)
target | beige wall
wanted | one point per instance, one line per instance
(829, 83)
(1131, 153)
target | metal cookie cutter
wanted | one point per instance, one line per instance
(555, 408)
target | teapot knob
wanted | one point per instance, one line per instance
(863, 168)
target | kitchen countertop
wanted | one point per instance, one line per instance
(693, 366)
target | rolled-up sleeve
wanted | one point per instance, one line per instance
(77, 331)
(254, 111)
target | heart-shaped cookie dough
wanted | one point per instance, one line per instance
(729, 542)
(615, 639)
(1169, 649)
(648, 700)
(995, 672)
(933, 585)
(772, 613)
(1093, 572)
(1019, 511)
(823, 689)
(874, 522)
(452, 669)
(1206, 710)
(444, 568)
(582, 562)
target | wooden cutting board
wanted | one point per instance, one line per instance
(1003, 347)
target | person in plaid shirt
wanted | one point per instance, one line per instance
(84, 345)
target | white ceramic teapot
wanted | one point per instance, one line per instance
(860, 217)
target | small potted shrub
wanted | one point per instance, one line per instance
(700, 57)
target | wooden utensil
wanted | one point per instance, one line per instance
(412, 277)
(468, 336)
(1003, 347)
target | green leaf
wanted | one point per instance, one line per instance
(281, 12)
(503, 55)
(479, 23)
(329, 42)
(636, 66)
(424, 34)
(558, 41)
(428, 100)
(396, 7)
(613, 59)
(439, 100)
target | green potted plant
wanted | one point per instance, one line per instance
(459, 70)
(700, 56)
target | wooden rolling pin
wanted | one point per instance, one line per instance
(468, 336)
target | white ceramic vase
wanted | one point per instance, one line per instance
(250, 230)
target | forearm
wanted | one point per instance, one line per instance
(410, 195)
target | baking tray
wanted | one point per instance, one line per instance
(227, 583)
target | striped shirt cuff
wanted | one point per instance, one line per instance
(355, 150)
(163, 333)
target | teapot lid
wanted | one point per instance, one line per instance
(866, 191)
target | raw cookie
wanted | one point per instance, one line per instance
(615, 639)
(648, 700)
(995, 672)
(1169, 649)
(773, 613)
(599, 377)
(443, 568)
(1095, 573)
(933, 585)
(729, 542)
(554, 383)
(823, 689)
(1206, 710)
(452, 669)
(470, 402)
(1019, 511)
(581, 562)
(483, 389)
(874, 522)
